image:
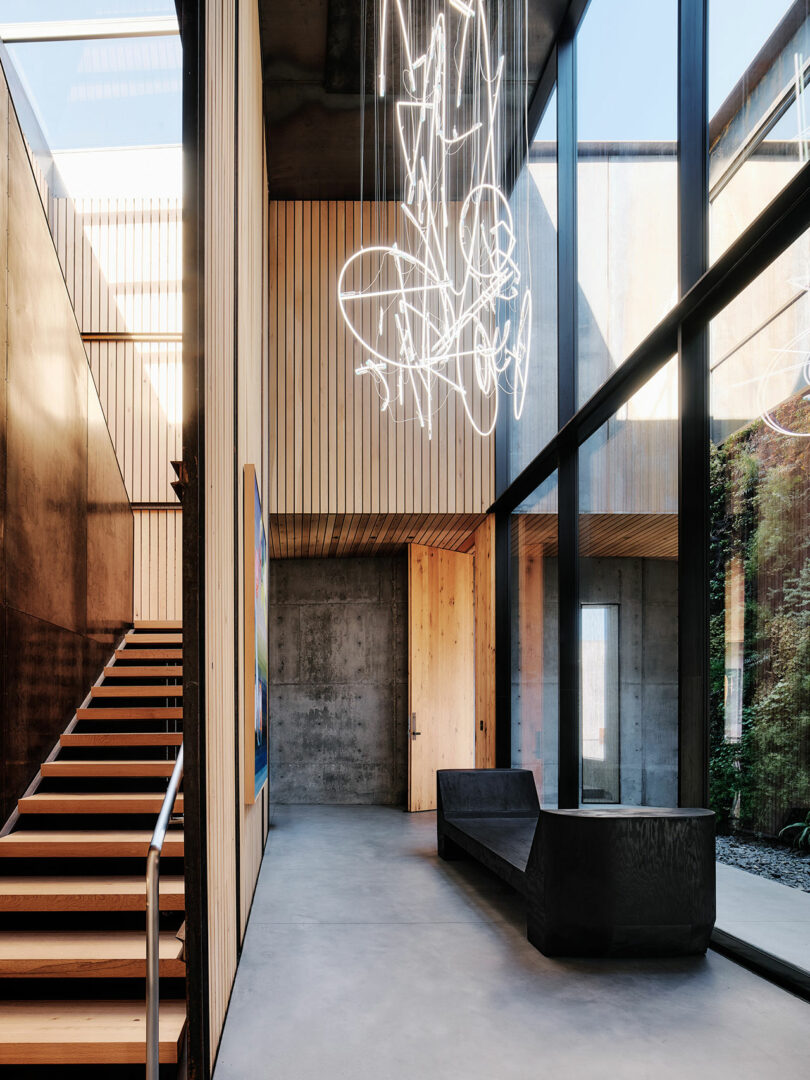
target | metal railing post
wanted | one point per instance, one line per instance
(153, 922)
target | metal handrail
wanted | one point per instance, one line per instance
(152, 922)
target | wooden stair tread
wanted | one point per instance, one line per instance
(85, 1032)
(125, 893)
(101, 767)
(153, 639)
(135, 691)
(77, 954)
(86, 843)
(135, 712)
(158, 624)
(148, 654)
(122, 738)
(112, 802)
(150, 671)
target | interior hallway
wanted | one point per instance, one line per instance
(367, 958)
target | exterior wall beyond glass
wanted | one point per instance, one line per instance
(534, 209)
(626, 180)
(628, 570)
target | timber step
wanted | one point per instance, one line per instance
(101, 767)
(135, 712)
(86, 843)
(49, 954)
(159, 624)
(135, 691)
(122, 671)
(122, 738)
(125, 893)
(153, 639)
(85, 1032)
(113, 802)
(149, 654)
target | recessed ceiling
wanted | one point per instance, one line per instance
(312, 58)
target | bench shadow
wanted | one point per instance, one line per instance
(504, 909)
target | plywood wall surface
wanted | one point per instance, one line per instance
(484, 558)
(332, 450)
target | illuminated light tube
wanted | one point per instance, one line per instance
(449, 315)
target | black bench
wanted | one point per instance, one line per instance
(637, 881)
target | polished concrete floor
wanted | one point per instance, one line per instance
(367, 958)
(769, 915)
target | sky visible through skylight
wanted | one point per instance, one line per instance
(100, 93)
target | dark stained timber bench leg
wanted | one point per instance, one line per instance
(447, 849)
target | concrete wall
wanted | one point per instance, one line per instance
(338, 680)
(646, 591)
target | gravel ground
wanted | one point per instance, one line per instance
(774, 861)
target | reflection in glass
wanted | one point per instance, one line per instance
(534, 207)
(535, 663)
(626, 180)
(759, 589)
(759, 67)
(628, 569)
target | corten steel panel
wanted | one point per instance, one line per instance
(35, 709)
(46, 533)
(109, 534)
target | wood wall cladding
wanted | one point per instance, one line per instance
(65, 520)
(332, 450)
(121, 262)
(236, 325)
(484, 579)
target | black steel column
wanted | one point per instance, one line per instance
(567, 476)
(693, 456)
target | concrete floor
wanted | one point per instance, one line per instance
(769, 915)
(366, 958)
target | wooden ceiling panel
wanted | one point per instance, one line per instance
(606, 536)
(324, 536)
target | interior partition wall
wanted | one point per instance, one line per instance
(650, 507)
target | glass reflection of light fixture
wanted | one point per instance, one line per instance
(445, 314)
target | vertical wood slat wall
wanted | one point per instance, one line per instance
(332, 451)
(121, 261)
(235, 268)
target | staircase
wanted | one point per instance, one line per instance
(72, 879)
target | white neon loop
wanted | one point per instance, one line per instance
(448, 316)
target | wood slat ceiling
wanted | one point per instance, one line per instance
(616, 536)
(321, 536)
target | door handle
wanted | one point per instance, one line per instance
(414, 732)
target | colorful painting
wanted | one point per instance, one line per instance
(256, 628)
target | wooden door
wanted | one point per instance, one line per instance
(441, 669)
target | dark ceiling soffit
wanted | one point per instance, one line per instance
(764, 239)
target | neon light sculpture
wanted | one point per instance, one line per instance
(445, 314)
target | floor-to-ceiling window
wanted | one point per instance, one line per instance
(654, 650)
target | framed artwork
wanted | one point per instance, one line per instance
(256, 633)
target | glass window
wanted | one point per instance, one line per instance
(626, 180)
(534, 209)
(759, 66)
(599, 664)
(106, 92)
(535, 658)
(759, 599)
(628, 548)
(12, 11)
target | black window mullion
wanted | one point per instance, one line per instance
(693, 428)
(567, 485)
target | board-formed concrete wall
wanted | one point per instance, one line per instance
(338, 680)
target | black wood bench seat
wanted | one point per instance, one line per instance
(624, 881)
